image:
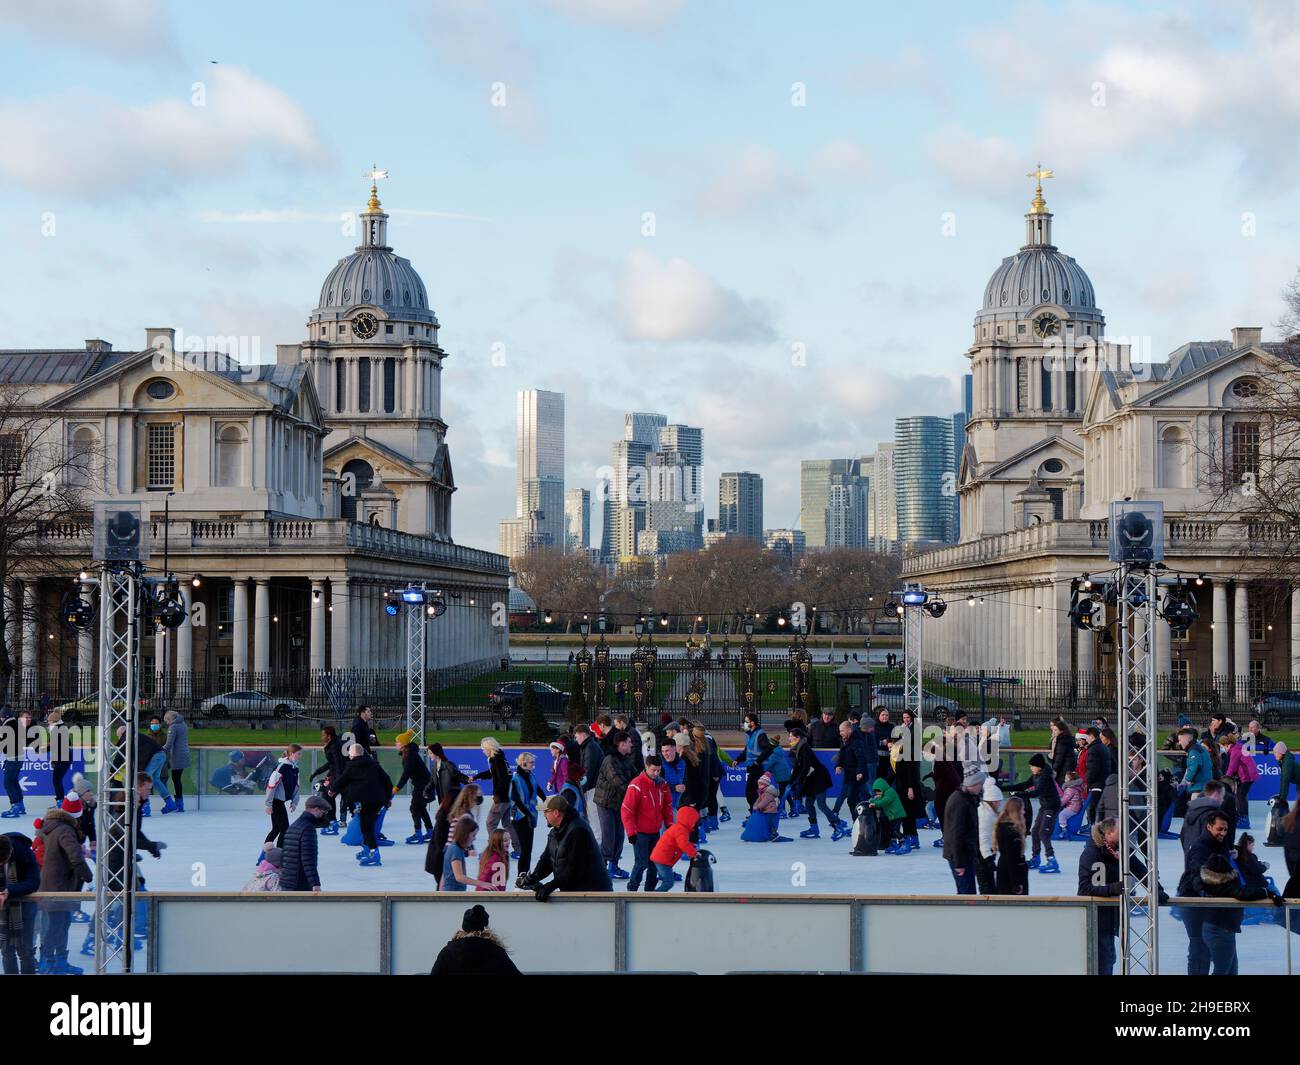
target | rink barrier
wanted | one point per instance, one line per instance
(619, 933)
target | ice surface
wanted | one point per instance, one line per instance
(214, 850)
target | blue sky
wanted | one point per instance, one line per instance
(1172, 129)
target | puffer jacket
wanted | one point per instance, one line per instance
(647, 806)
(768, 801)
(177, 744)
(298, 871)
(615, 775)
(887, 802)
(64, 867)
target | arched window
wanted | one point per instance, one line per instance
(1175, 457)
(362, 475)
(230, 457)
(81, 457)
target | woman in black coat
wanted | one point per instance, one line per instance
(417, 773)
(1011, 875)
(907, 781)
(1060, 751)
(332, 767)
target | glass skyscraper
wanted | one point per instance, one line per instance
(925, 479)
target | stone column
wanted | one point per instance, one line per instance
(86, 653)
(1221, 634)
(340, 658)
(239, 637)
(185, 637)
(262, 629)
(1162, 646)
(317, 654)
(1241, 640)
(160, 663)
(1295, 635)
(29, 636)
(361, 625)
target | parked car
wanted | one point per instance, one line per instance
(890, 697)
(1272, 708)
(255, 706)
(507, 700)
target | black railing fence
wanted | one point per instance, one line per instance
(717, 691)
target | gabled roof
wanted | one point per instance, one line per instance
(55, 366)
(1193, 361)
(378, 450)
(1041, 445)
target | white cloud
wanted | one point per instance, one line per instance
(751, 178)
(123, 29)
(675, 301)
(845, 159)
(84, 145)
(980, 164)
(622, 14)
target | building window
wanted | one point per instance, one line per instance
(340, 385)
(225, 670)
(162, 456)
(390, 385)
(388, 327)
(1256, 677)
(1022, 386)
(1245, 388)
(363, 385)
(1071, 393)
(230, 457)
(1174, 457)
(1178, 678)
(1058, 503)
(1045, 380)
(1243, 451)
(11, 453)
(357, 477)
(1257, 624)
(81, 457)
(226, 606)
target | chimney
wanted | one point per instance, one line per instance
(95, 344)
(1246, 336)
(161, 338)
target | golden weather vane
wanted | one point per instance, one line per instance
(1039, 205)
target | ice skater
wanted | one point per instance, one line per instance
(282, 791)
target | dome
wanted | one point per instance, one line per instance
(377, 277)
(1038, 275)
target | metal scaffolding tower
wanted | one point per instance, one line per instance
(1138, 807)
(416, 661)
(913, 607)
(119, 643)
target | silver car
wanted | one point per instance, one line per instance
(890, 697)
(252, 705)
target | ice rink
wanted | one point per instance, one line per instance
(214, 850)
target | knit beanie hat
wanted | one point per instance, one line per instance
(1039, 761)
(72, 804)
(404, 738)
(475, 919)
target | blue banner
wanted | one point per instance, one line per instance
(36, 776)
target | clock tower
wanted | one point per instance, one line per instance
(1031, 360)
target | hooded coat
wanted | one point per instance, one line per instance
(64, 867)
(887, 802)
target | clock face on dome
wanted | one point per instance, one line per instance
(1047, 325)
(365, 325)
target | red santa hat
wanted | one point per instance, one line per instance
(72, 804)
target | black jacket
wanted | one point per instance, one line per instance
(1062, 756)
(697, 778)
(414, 770)
(445, 784)
(363, 734)
(1041, 787)
(573, 857)
(473, 956)
(592, 755)
(1098, 767)
(1011, 876)
(1227, 886)
(616, 773)
(1099, 877)
(498, 771)
(853, 759)
(28, 871)
(298, 864)
(961, 829)
(333, 764)
(822, 735)
(810, 777)
(1189, 885)
(364, 780)
(1198, 813)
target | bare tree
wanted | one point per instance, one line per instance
(566, 584)
(843, 581)
(47, 482)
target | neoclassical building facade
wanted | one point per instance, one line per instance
(1063, 423)
(298, 493)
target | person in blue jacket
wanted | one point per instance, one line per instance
(20, 876)
(674, 770)
(758, 748)
(854, 767)
(1198, 772)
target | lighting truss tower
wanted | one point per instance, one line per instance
(417, 616)
(1139, 821)
(119, 642)
(913, 601)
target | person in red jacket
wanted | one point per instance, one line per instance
(673, 844)
(646, 811)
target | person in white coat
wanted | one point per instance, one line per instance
(990, 807)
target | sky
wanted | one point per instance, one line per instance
(772, 221)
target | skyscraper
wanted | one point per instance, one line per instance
(847, 507)
(539, 467)
(814, 494)
(883, 504)
(577, 519)
(740, 505)
(925, 482)
(640, 437)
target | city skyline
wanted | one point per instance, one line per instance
(673, 254)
